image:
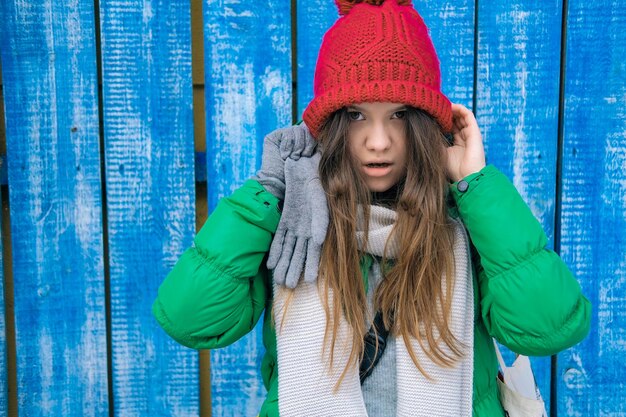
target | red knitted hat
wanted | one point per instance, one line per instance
(377, 51)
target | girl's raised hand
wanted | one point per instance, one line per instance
(467, 155)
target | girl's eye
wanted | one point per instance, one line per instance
(355, 115)
(399, 114)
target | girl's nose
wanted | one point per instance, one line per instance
(378, 139)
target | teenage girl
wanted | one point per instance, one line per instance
(384, 252)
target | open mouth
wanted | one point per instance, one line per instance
(378, 165)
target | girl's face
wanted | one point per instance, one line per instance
(377, 140)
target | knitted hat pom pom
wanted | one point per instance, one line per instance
(344, 6)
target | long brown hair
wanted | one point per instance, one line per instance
(411, 297)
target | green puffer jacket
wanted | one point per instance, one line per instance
(525, 296)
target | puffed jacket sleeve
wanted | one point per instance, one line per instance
(529, 300)
(217, 290)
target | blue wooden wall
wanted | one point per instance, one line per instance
(54, 180)
(247, 61)
(149, 161)
(101, 167)
(593, 212)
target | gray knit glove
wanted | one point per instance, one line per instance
(290, 142)
(302, 228)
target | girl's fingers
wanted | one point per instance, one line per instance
(459, 125)
(468, 155)
(461, 117)
(461, 111)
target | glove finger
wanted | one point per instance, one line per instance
(276, 248)
(296, 264)
(312, 263)
(299, 139)
(280, 272)
(319, 210)
(286, 143)
(310, 144)
(291, 171)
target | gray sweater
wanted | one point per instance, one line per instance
(379, 389)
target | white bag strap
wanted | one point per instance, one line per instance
(519, 394)
(499, 355)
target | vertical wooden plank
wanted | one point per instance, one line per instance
(451, 25)
(248, 85)
(4, 387)
(148, 130)
(518, 103)
(313, 18)
(247, 49)
(50, 92)
(593, 222)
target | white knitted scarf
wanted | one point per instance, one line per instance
(305, 381)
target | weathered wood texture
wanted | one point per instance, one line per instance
(247, 48)
(4, 385)
(591, 376)
(451, 26)
(313, 19)
(148, 134)
(49, 76)
(50, 92)
(517, 106)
